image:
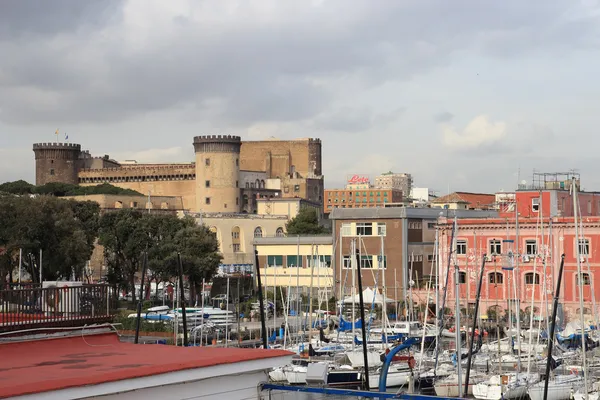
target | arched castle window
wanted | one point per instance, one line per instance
(262, 184)
(257, 183)
(258, 232)
(279, 232)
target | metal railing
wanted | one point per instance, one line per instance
(55, 306)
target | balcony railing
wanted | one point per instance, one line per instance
(57, 306)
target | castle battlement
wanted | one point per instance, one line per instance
(57, 146)
(217, 138)
(142, 167)
(217, 144)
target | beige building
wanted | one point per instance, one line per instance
(236, 233)
(288, 207)
(302, 261)
(397, 181)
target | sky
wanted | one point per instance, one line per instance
(464, 95)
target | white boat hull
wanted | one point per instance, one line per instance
(560, 389)
(394, 379)
(296, 377)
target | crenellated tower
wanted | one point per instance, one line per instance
(217, 173)
(57, 162)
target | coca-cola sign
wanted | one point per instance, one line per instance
(358, 179)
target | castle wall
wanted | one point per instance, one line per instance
(277, 157)
(158, 179)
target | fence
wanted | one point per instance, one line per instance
(55, 305)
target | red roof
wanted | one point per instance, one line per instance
(45, 365)
(474, 200)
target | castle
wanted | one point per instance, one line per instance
(228, 175)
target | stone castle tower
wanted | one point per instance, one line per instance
(217, 173)
(57, 162)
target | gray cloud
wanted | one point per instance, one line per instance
(268, 61)
(112, 70)
(443, 117)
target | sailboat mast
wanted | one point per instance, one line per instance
(515, 264)
(310, 300)
(580, 287)
(457, 326)
(298, 298)
(531, 311)
(437, 283)
(353, 291)
(384, 302)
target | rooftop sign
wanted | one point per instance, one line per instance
(358, 179)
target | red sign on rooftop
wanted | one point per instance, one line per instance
(357, 179)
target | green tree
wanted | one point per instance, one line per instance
(305, 223)
(59, 189)
(127, 234)
(124, 237)
(17, 187)
(63, 230)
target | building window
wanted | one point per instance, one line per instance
(258, 232)
(275, 261)
(207, 162)
(584, 247)
(248, 187)
(279, 232)
(364, 229)
(235, 233)
(237, 185)
(293, 261)
(531, 247)
(381, 229)
(346, 230)
(532, 279)
(296, 188)
(431, 225)
(415, 258)
(461, 247)
(382, 262)
(236, 247)
(347, 262)
(462, 277)
(366, 262)
(207, 200)
(237, 162)
(589, 207)
(207, 184)
(495, 247)
(535, 204)
(431, 257)
(585, 279)
(51, 171)
(237, 201)
(496, 278)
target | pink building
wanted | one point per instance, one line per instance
(537, 241)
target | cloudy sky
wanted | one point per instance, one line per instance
(462, 94)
